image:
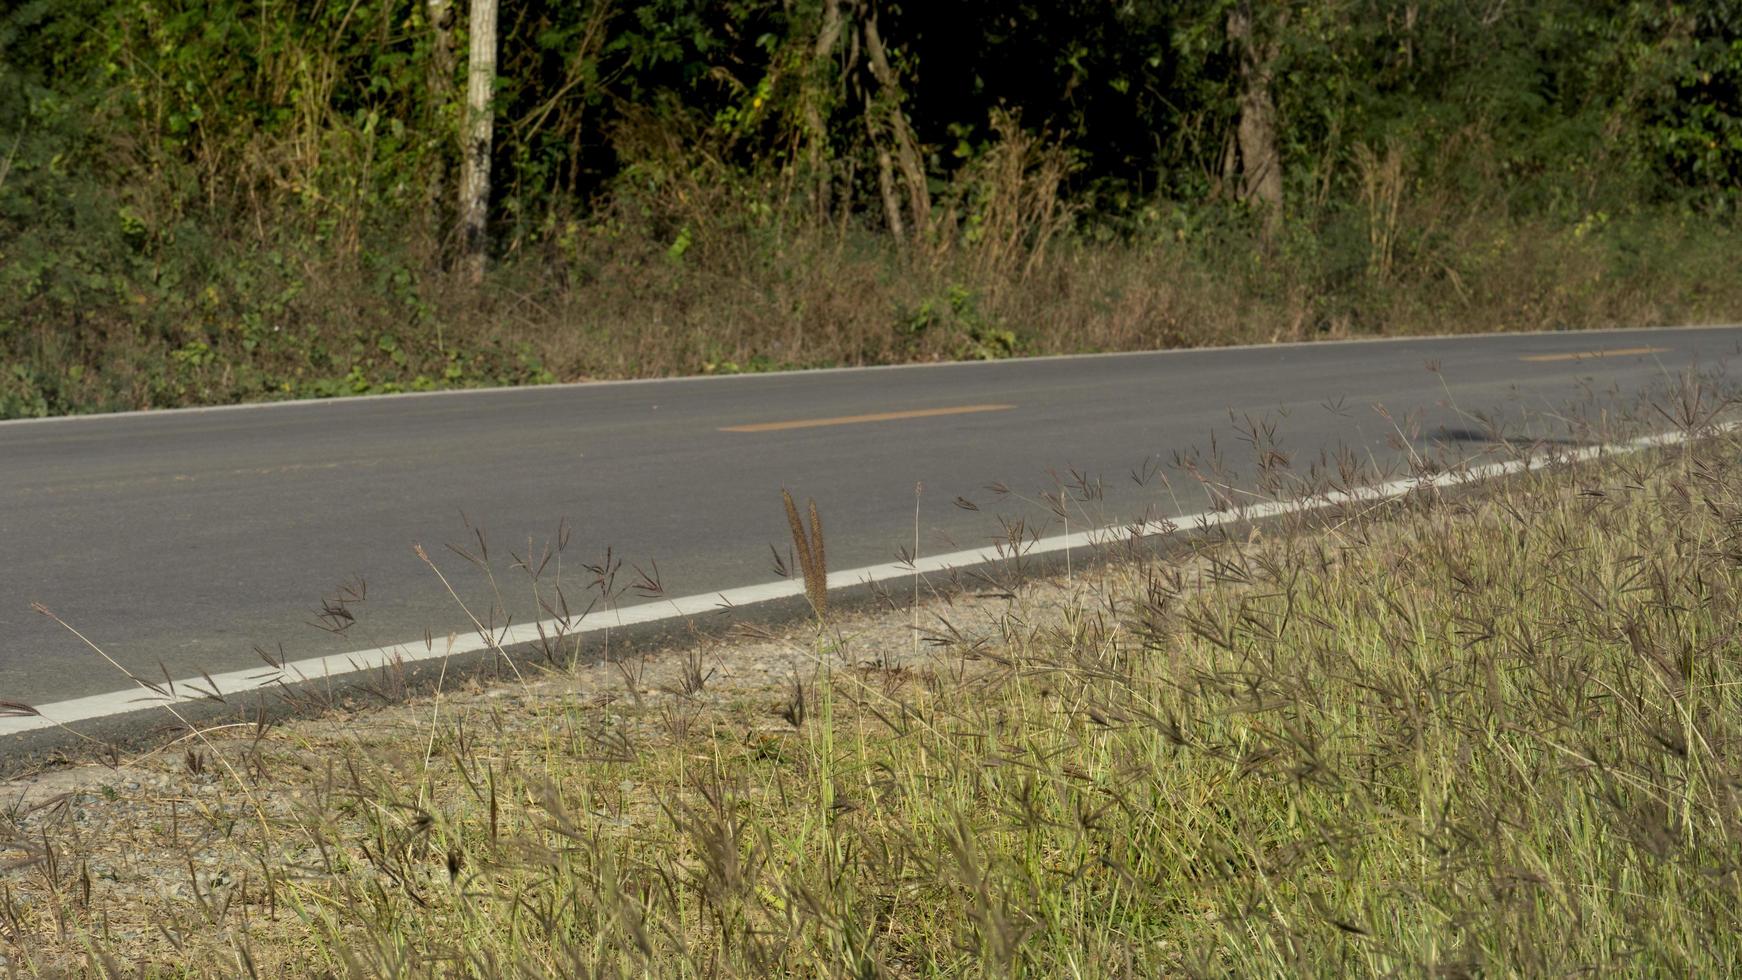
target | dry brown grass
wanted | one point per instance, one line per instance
(698, 273)
(1467, 734)
(757, 299)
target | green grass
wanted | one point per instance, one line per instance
(1487, 734)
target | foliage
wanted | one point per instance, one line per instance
(267, 180)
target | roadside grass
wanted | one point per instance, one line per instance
(1486, 733)
(204, 316)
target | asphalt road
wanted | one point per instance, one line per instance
(186, 539)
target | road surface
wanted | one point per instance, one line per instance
(181, 541)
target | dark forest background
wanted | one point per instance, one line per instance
(226, 200)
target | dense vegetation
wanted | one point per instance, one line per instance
(214, 200)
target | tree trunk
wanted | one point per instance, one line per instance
(441, 88)
(475, 159)
(441, 28)
(907, 155)
(1260, 157)
(886, 186)
(816, 104)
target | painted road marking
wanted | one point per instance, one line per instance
(1584, 354)
(918, 413)
(14, 722)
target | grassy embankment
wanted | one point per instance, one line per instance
(1488, 733)
(191, 315)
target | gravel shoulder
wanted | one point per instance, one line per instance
(160, 853)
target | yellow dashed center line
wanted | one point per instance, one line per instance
(918, 413)
(1582, 355)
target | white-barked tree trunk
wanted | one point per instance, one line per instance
(476, 139)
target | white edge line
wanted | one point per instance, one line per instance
(239, 682)
(749, 376)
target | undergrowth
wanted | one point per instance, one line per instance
(221, 201)
(104, 318)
